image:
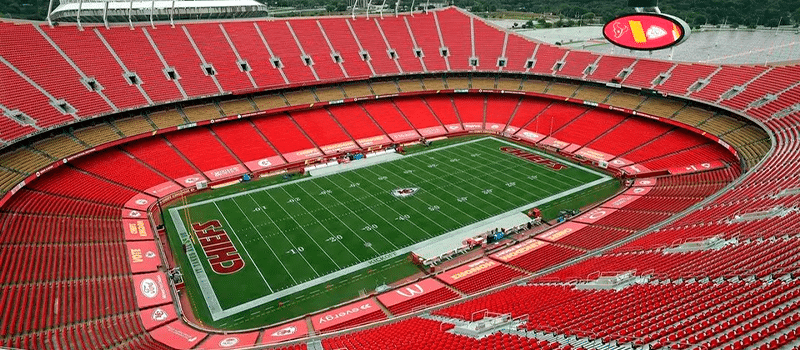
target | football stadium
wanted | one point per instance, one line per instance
(206, 175)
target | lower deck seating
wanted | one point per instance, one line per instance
(547, 256)
(593, 237)
(156, 153)
(417, 333)
(496, 276)
(243, 140)
(61, 180)
(202, 149)
(430, 299)
(121, 168)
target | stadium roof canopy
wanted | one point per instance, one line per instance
(99, 11)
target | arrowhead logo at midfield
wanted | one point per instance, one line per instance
(404, 192)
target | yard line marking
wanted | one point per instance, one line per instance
(307, 234)
(411, 207)
(549, 173)
(480, 178)
(354, 214)
(284, 234)
(464, 180)
(501, 181)
(265, 241)
(243, 247)
(323, 226)
(373, 210)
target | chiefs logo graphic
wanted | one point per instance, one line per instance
(229, 342)
(264, 162)
(404, 192)
(149, 288)
(134, 214)
(141, 201)
(191, 180)
(150, 254)
(159, 314)
(285, 332)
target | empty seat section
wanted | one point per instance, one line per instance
(670, 142)
(442, 107)
(243, 140)
(417, 112)
(136, 53)
(160, 156)
(488, 45)
(353, 118)
(576, 63)
(283, 133)
(631, 133)
(589, 126)
(453, 25)
(518, 51)
(593, 237)
(433, 298)
(528, 110)
(609, 67)
(387, 116)
(174, 46)
(343, 41)
(60, 228)
(217, 51)
(86, 50)
(470, 108)
(546, 58)
(61, 181)
(283, 46)
(397, 34)
(202, 149)
(18, 94)
(245, 37)
(555, 117)
(623, 219)
(696, 155)
(684, 76)
(515, 300)
(40, 203)
(121, 168)
(314, 45)
(65, 85)
(774, 81)
(482, 281)
(320, 127)
(371, 40)
(10, 130)
(725, 79)
(545, 257)
(645, 72)
(35, 263)
(423, 27)
(96, 135)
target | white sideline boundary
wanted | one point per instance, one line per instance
(212, 300)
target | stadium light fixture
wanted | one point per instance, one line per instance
(80, 7)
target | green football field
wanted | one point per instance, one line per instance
(292, 237)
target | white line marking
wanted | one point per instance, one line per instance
(243, 246)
